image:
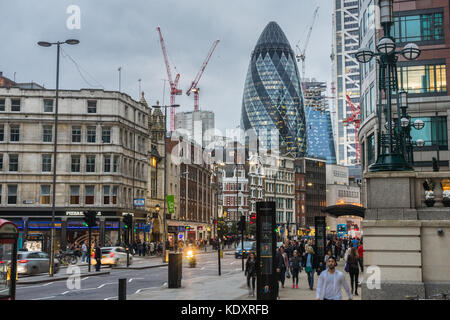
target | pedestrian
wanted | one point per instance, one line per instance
(283, 265)
(98, 257)
(330, 283)
(310, 264)
(84, 252)
(250, 272)
(353, 269)
(361, 255)
(296, 264)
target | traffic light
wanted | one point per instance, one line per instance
(90, 219)
(241, 224)
(127, 221)
(253, 218)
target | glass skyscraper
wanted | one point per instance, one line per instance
(272, 97)
(318, 122)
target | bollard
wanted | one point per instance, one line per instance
(122, 289)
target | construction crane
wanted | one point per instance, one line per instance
(356, 121)
(194, 87)
(301, 53)
(174, 91)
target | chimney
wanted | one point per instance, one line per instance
(1, 73)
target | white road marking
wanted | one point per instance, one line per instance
(85, 278)
(27, 287)
(44, 298)
(65, 292)
(110, 298)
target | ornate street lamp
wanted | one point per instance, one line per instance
(394, 143)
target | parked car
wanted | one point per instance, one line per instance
(34, 262)
(249, 246)
(113, 256)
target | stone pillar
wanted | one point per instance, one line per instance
(405, 242)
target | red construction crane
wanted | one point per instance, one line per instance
(174, 91)
(194, 87)
(356, 121)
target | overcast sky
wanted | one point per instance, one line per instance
(123, 33)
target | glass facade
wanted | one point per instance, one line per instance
(272, 98)
(423, 79)
(320, 135)
(434, 132)
(424, 27)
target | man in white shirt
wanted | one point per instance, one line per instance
(84, 256)
(331, 282)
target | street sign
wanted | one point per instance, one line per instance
(139, 202)
(170, 198)
(320, 235)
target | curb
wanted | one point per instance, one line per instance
(140, 268)
(62, 278)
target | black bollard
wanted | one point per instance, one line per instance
(122, 289)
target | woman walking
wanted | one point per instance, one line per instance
(353, 269)
(250, 272)
(295, 264)
(310, 264)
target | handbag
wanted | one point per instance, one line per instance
(347, 267)
(288, 274)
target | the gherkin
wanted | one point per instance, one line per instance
(273, 95)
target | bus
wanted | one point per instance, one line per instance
(341, 230)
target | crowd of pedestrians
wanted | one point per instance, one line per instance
(293, 256)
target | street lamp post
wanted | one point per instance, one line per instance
(391, 143)
(55, 143)
(157, 106)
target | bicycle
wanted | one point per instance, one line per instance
(67, 258)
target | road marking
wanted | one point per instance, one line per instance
(110, 298)
(102, 285)
(44, 298)
(130, 280)
(85, 278)
(164, 284)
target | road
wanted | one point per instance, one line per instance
(105, 287)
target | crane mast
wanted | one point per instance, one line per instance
(301, 55)
(174, 91)
(193, 88)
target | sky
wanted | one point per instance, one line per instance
(122, 33)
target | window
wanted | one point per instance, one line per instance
(74, 194)
(48, 105)
(92, 106)
(45, 194)
(12, 194)
(424, 27)
(2, 132)
(114, 194)
(90, 163)
(15, 104)
(91, 134)
(47, 134)
(106, 190)
(371, 149)
(1, 162)
(434, 132)
(14, 134)
(89, 197)
(423, 79)
(46, 162)
(106, 135)
(116, 164)
(75, 164)
(107, 164)
(13, 162)
(2, 104)
(126, 112)
(0, 194)
(76, 134)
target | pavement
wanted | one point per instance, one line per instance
(230, 286)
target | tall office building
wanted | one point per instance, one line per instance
(197, 124)
(425, 79)
(346, 76)
(318, 122)
(272, 97)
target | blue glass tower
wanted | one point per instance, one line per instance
(318, 122)
(272, 97)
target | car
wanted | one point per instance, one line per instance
(34, 262)
(249, 246)
(113, 256)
